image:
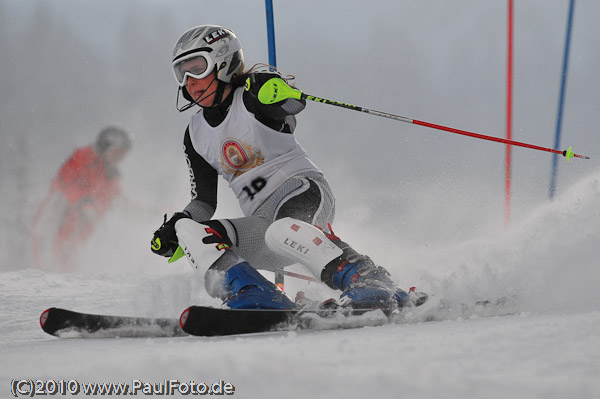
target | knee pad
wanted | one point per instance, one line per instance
(302, 243)
(198, 244)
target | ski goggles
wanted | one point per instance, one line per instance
(197, 65)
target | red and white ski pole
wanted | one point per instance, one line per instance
(275, 90)
(298, 275)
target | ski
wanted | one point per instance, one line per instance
(209, 321)
(64, 323)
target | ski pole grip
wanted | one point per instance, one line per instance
(275, 90)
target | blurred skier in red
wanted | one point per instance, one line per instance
(83, 190)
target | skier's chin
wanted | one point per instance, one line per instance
(203, 101)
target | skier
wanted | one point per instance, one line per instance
(80, 194)
(280, 190)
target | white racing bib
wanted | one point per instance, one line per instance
(252, 157)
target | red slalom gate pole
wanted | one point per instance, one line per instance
(509, 86)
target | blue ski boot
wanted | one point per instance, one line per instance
(248, 289)
(364, 285)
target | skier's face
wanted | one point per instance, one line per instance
(203, 90)
(114, 155)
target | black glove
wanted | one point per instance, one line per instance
(218, 234)
(276, 111)
(256, 80)
(165, 241)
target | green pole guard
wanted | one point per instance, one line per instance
(275, 90)
(177, 255)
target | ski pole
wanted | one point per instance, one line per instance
(297, 275)
(276, 89)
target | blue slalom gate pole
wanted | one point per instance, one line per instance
(279, 276)
(561, 100)
(271, 33)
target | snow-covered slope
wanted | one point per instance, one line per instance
(549, 348)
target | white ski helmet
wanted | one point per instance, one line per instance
(214, 47)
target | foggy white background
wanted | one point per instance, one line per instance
(68, 68)
(427, 205)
